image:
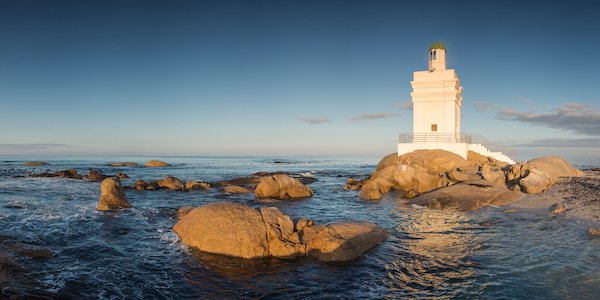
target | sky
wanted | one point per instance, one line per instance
(287, 78)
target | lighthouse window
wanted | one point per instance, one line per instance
(433, 127)
(433, 54)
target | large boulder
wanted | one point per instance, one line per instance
(225, 228)
(553, 166)
(467, 196)
(113, 195)
(536, 181)
(283, 187)
(458, 176)
(156, 163)
(434, 161)
(237, 230)
(342, 240)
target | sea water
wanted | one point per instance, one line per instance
(134, 254)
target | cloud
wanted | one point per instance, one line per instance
(579, 118)
(568, 143)
(315, 120)
(32, 146)
(525, 100)
(408, 105)
(372, 116)
(482, 106)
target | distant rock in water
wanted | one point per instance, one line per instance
(35, 163)
(121, 175)
(66, 174)
(126, 164)
(171, 183)
(283, 187)
(156, 163)
(113, 195)
(238, 230)
(193, 185)
(94, 175)
(234, 189)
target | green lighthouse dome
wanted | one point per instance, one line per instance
(437, 46)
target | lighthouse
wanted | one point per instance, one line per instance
(437, 103)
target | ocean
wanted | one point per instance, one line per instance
(134, 254)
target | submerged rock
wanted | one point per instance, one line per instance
(238, 230)
(113, 195)
(171, 183)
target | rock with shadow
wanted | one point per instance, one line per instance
(238, 230)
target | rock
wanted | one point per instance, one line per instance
(113, 195)
(387, 161)
(171, 183)
(237, 230)
(121, 175)
(458, 176)
(125, 164)
(467, 196)
(535, 182)
(283, 187)
(28, 250)
(494, 177)
(156, 163)
(342, 241)
(68, 174)
(11, 272)
(140, 185)
(193, 185)
(283, 241)
(94, 175)
(553, 166)
(370, 194)
(470, 169)
(234, 189)
(434, 161)
(593, 232)
(410, 194)
(225, 228)
(182, 212)
(425, 181)
(35, 163)
(557, 208)
(478, 159)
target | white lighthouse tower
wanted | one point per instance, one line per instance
(437, 104)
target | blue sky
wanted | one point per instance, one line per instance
(206, 78)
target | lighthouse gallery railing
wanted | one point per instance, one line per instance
(451, 137)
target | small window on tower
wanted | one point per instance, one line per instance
(433, 54)
(433, 127)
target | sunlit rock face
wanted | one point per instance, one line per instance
(238, 230)
(283, 187)
(113, 195)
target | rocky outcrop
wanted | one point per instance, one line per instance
(467, 196)
(35, 163)
(125, 164)
(156, 163)
(193, 185)
(140, 185)
(283, 187)
(113, 195)
(182, 212)
(65, 174)
(234, 189)
(238, 230)
(424, 170)
(121, 175)
(538, 174)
